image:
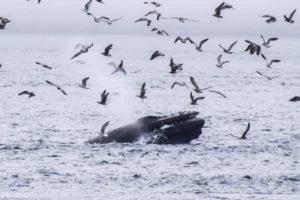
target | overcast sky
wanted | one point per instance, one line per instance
(65, 16)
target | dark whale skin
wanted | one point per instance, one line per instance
(174, 129)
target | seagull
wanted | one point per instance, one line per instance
(268, 77)
(295, 98)
(102, 132)
(245, 132)
(84, 82)
(270, 19)
(199, 48)
(100, 19)
(30, 94)
(43, 65)
(180, 84)
(156, 54)
(160, 32)
(142, 92)
(87, 7)
(182, 19)
(193, 100)
(154, 12)
(221, 7)
(174, 67)
(220, 63)
(196, 87)
(229, 48)
(271, 62)
(144, 20)
(3, 22)
(253, 48)
(217, 92)
(57, 87)
(104, 96)
(290, 18)
(118, 67)
(156, 4)
(106, 50)
(184, 40)
(84, 49)
(108, 20)
(266, 43)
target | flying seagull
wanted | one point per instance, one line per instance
(183, 19)
(267, 77)
(3, 22)
(57, 87)
(160, 32)
(107, 20)
(253, 48)
(217, 92)
(245, 132)
(84, 49)
(102, 131)
(100, 19)
(199, 48)
(154, 12)
(221, 63)
(84, 82)
(30, 94)
(228, 50)
(266, 43)
(142, 92)
(106, 50)
(221, 7)
(180, 84)
(104, 96)
(156, 54)
(87, 7)
(193, 100)
(184, 40)
(290, 18)
(118, 67)
(269, 18)
(43, 65)
(268, 64)
(196, 87)
(156, 4)
(144, 20)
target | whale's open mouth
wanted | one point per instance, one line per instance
(174, 129)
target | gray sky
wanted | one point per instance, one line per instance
(64, 16)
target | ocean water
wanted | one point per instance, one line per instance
(43, 154)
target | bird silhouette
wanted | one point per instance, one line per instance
(266, 43)
(30, 94)
(199, 47)
(104, 96)
(142, 92)
(289, 19)
(118, 67)
(220, 62)
(194, 100)
(156, 54)
(84, 82)
(106, 50)
(228, 50)
(268, 64)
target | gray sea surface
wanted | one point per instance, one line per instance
(43, 154)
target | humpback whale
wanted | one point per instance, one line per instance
(175, 129)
